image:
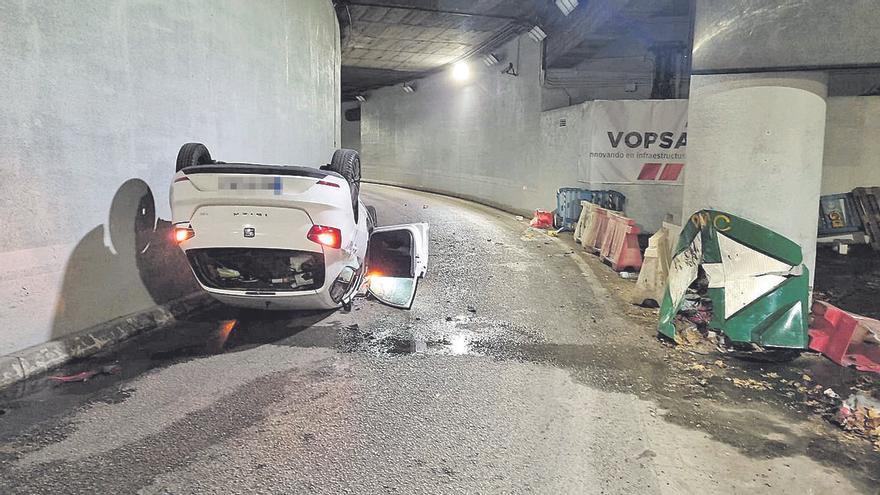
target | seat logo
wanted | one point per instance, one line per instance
(250, 231)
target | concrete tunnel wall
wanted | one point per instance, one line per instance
(489, 140)
(477, 139)
(852, 147)
(97, 98)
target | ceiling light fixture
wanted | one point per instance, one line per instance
(360, 98)
(537, 34)
(490, 59)
(408, 87)
(566, 6)
(461, 71)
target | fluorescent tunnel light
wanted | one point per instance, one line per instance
(566, 6)
(537, 34)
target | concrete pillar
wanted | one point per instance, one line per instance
(755, 144)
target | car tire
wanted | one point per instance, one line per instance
(372, 218)
(347, 163)
(193, 154)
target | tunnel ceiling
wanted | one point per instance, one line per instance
(387, 42)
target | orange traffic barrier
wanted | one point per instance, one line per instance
(845, 338)
(591, 235)
(601, 229)
(620, 245)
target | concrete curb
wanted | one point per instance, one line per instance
(43, 357)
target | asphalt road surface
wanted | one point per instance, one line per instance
(516, 371)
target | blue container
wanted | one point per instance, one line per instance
(568, 204)
(611, 200)
(838, 215)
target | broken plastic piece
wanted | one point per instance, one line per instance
(228, 272)
(757, 283)
(845, 338)
(543, 220)
(85, 375)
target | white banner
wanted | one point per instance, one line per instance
(638, 142)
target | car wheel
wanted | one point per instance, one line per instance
(347, 163)
(193, 154)
(372, 218)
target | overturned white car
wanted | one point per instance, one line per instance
(290, 237)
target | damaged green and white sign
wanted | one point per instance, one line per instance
(757, 282)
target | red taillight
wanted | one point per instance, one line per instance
(326, 236)
(183, 233)
(181, 179)
(327, 183)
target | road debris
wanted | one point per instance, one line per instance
(845, 338)
(831, 393)
(752, 384)
(860, 415)
(749, 274)
(83, 376)
(543, 220)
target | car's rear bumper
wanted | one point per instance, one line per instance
(319, 299)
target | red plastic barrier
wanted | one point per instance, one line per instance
(621, 243)
(846, 339)
(543, 220)
(601, 228)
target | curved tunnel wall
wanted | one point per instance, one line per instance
(489, 140)
(97, 97)
(455, 137)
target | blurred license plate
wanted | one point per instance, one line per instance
(250, 184)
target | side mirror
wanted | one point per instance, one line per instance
(397, 257)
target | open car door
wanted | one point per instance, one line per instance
(396, 258)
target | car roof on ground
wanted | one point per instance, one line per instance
(258, 169)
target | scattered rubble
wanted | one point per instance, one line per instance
(700, 355)
(752, 384)
(860, 415)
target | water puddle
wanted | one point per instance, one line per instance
(352, 339)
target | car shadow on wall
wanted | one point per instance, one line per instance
(127, 265)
